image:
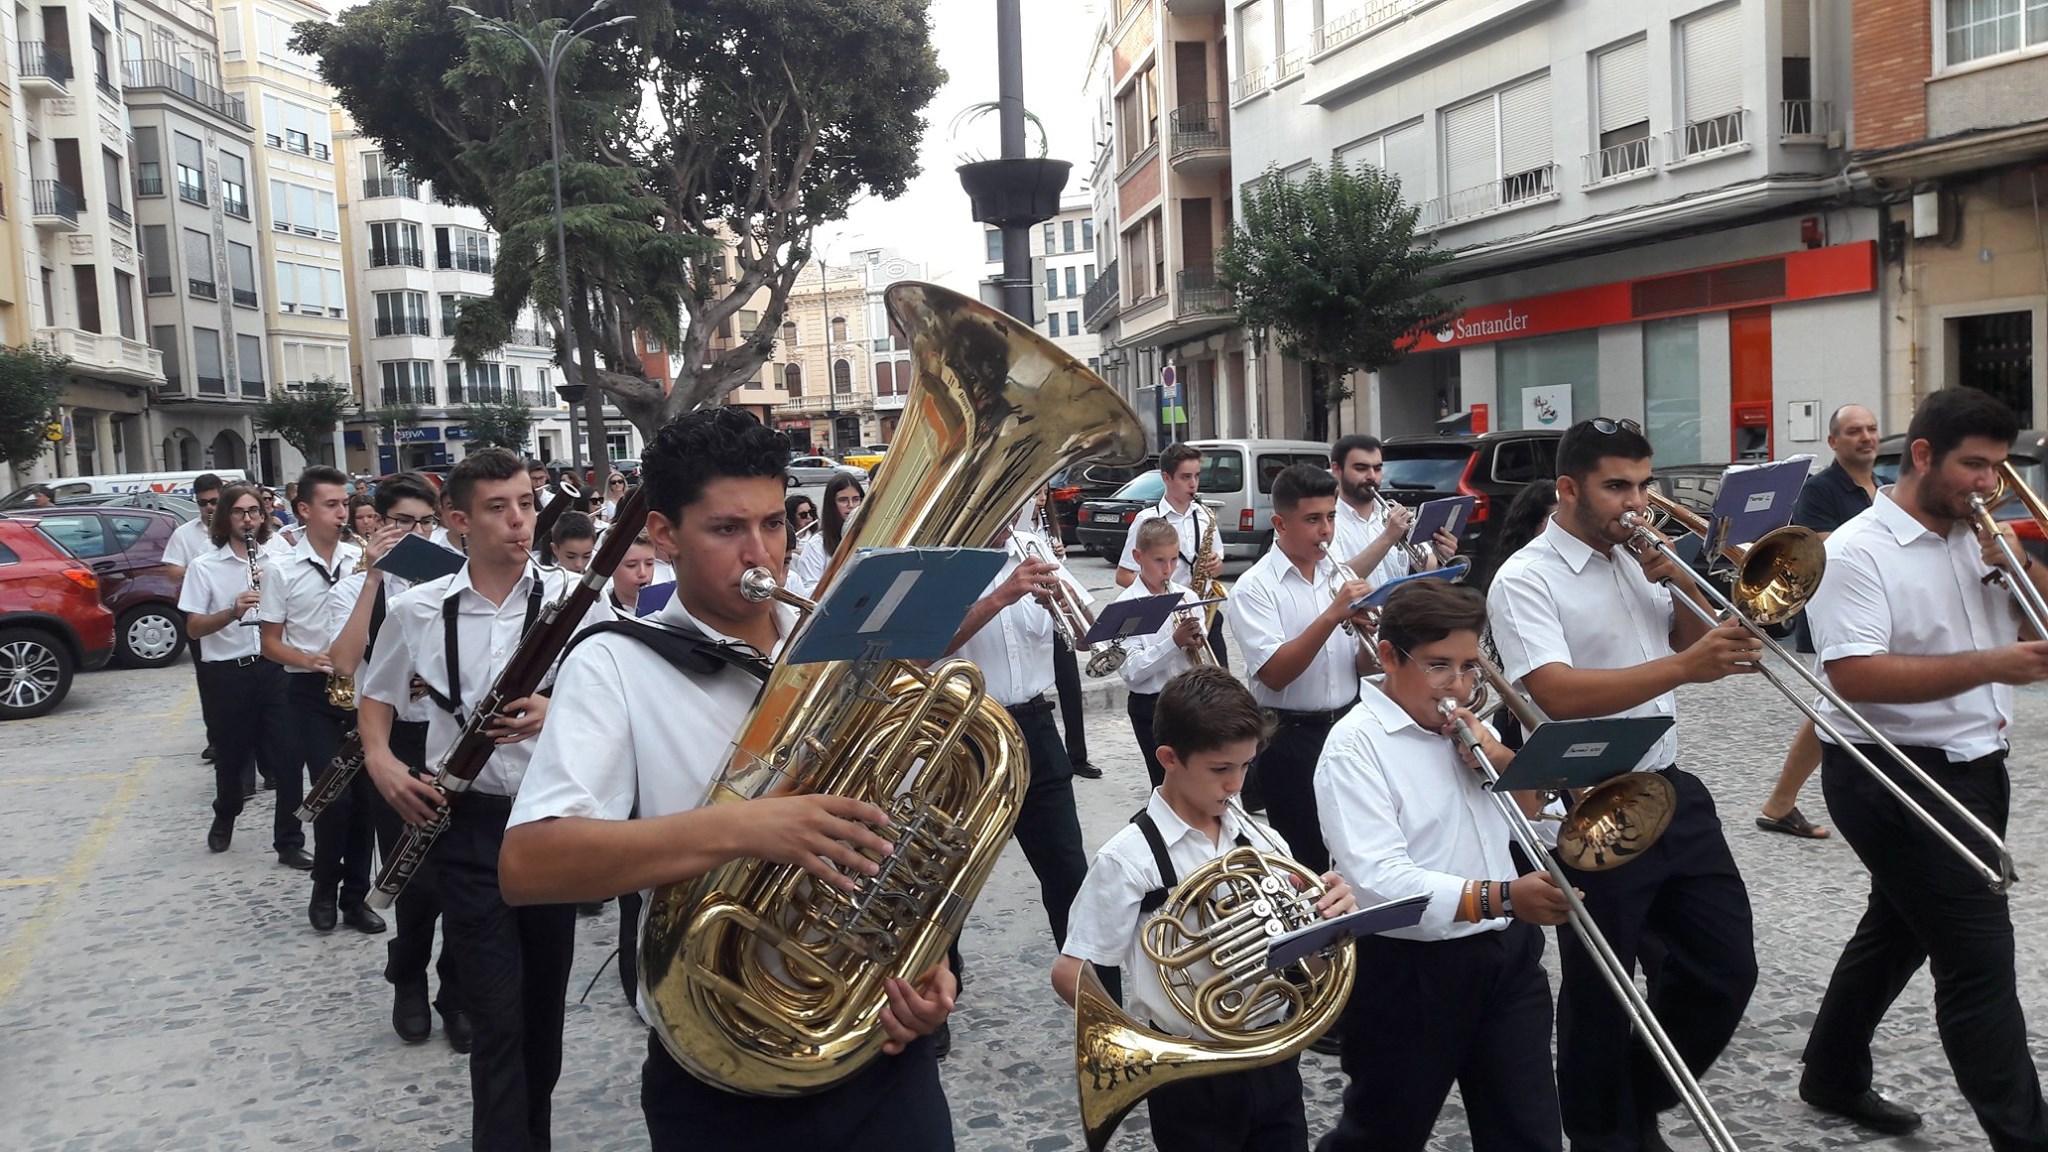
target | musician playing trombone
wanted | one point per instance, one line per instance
(1591, 631)
(1911, 629)
(1371, 530)
(1405, 814)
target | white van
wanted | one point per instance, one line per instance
(1237, 482)
(174, 483)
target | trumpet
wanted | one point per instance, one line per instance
(1071, 618)
(2032, 604)
(1343, 576)
(1418, 555)
(1775, 578)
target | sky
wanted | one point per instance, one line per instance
(931, 221)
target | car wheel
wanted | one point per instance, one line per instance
(35, 672)
(149, 637)
(793, 482)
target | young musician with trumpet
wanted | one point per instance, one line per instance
(1589, 630)
(1911, 626)
(1406, 814)
(1151, 661)
(612, 799)
(1194, 523)
(1372, 531)
(1209, 729)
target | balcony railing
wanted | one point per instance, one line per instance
(1359, 21)
(41, 62)
(528, 337)
(406, 395)
(1716, 134)
(481, 392)
(1252, 83)
(1196, 290)
(246, 297)
(201, 289)
(170, 78)
(466, 262)
(149, 185)
(191, 191)
(1530, 187)
(213, 386)
(158, 285)
(378, 186)
(1805, 121)
(1197, 127)
(253, 390)
(1101, 298)
(394, 257)
(1617, 161)
(1289, 65)
(404, 326)
(56, 199)
(313, 148)
(234, 203)
(118, 214)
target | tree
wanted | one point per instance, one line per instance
(704, 144)
(305, 419)
(1330, 265)
(30, 379)
(504, 425)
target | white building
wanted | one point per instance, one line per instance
(1064, 263)
(843, 366)
(1646, 201)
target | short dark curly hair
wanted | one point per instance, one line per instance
(698, 447)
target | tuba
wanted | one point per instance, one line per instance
(1208, 942)
(761, 980)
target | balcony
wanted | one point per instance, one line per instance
(201, 289)
(397, 257)
(1288, 65)
(158, 285)
(1199, 137)
(1720, 135)
(1619, 163)
(44, 70)
(1535, 186)
(403, 326)
(191, 189)
(377, 187)
(119, 215)
(156, 74)
(1186, 8)
(149, 185)
(109, 356)
(1252, 83)
(56, 206)
(1099, 303)
(212, 385)
(1196, 292)
(253, 390)
(1805, 121)
(1359, 22)
(234, 201)
(466, 262)
(526, 337)
(409, 395)
(245, 297)
(303, 147)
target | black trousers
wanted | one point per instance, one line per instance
(1139, 707)
(1255, 1110)
(412, 942)
(895, 1104)
(514, 967)
(1216, 644)
(345, 832)
(1066, 680)
(1686, 891)
(248, 721)
(1049, 828)
(629, 945)
(1927, 907)
(1473, 1011)
(1286, 772)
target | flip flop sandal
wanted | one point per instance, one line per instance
(1792, 824)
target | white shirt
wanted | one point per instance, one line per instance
(627, 732)
(1014, 649)
(341, 604)
(1104, 922)
(295, 587)
(1557, 601)
(1192, 526)
(414, 643)
(1404, 817)
(1355, 533)
(1893, 586)
(1272, 604)
(189, 541)
(1150, 661)
(213, 579)
(809, 566)
(440, 536)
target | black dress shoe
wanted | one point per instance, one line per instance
(455, 1025)
(1650, 1139)
(321, 913)
(1866, 1108)
(270, 783)
(1087, 771)
(208, 754)
(411, 1018)
(359, 917)
(221, 834)
(297, 858)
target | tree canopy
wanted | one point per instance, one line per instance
(1330, 265)
(704, 143)
(505, 424)
(305, 418)
(30, 379)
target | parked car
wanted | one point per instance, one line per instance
(868, 457)
(179, 483)
(125, 548)
(629, 467)
(805, 471)
(1492, 467)
(51, 621)
(2028, 453)
(183, 507)
(1236, 484)
(1072, 487)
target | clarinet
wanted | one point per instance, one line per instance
(537, 652)
(255, 578)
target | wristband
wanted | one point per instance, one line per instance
(1468, 905)
(1486, 899)
(1507, 903)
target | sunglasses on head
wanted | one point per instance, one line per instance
(1608, 427)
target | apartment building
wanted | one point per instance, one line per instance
(78, 259)
(413, 261)
(1951, 135)
(843, 365)
(1645, 201)
(1164, 158)
(1063, 258)
(205, 311)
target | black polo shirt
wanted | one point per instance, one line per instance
(1829, 500)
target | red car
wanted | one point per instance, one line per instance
(51, 621)
(125, 547)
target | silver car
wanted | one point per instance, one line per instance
(810, 471)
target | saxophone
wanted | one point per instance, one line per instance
(761, 980)
(341, 690)
(1207, 587)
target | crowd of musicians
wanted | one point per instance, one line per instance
(1340, 733)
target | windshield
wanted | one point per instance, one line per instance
(1150, 488)
(1437, 470)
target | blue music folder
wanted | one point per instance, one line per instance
(419, 560)
(1755, 499)
(1141, 617)
(1305, 942)
(1378, 596)
(1581, 753)
(896, 604)
(654, 598)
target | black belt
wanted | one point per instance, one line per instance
(237, 662)
(481, 801)
(1036, 705)
(1143, 695)
(1325, 716)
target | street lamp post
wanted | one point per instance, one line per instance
(550, 62)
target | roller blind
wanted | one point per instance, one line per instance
(1525, 137)
(1712, 64)
(1621, 80)
(1254, 36)
(1407, 156)
(1469, 148)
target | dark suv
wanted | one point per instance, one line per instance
(1492, 466)
(1093, 481)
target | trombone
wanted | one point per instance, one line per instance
(1775, 578)
(2031, 603)
(1071, 618)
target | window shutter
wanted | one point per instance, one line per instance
(1407, 155)
(1469, 157)
(1297, 20)
(1622, 82)
(1254, 36)
(1364, 154)
(1796, 19)
(1713, 64)
(1525, 141)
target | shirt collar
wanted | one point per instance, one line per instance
(675, 615)
(1165, 509)
(1284, 567)
(1904, 528)
(460, 583)
(1574, 551)
(1346, 511)
(1173, 829)
(1383, 708)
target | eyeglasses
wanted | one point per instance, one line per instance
(1442, 674)
(1608, 427)
(243, 510)
(409, 523)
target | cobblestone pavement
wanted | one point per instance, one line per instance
(156, 996)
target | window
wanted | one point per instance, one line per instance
(1795, 63)
(1069, 278)
(994, 239)
(407, 382)
(99, 56)
(124, 303)
(1088, 235)
(1254, 48)
(839, 329)
(480, 383)
(1147, 275)
(842, 376)
(393, 244)
(1996, 353)
(230, 25)
(199, 282)
(149, 166)
(451, 310)
(1671, 387)
(85, 281)
(206, 362)
(462, 249)
(789, 339)
(1052, 324)
(793, 379)
(1073, 323)
(164, 338)
(293, 127)
(1979, 28)
(331, 279)
(1066, 235)
(242, 273)
(249, 362)
(1402, 153)
(110, 168)
(1137, 117)
(1497, 149)
(234, 185)
(402, 314)
(156, 260)
(1052, 283)
(1048, 247)
(1711, 73)
(1621, 99)
(191, 168)
(1545, 362)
